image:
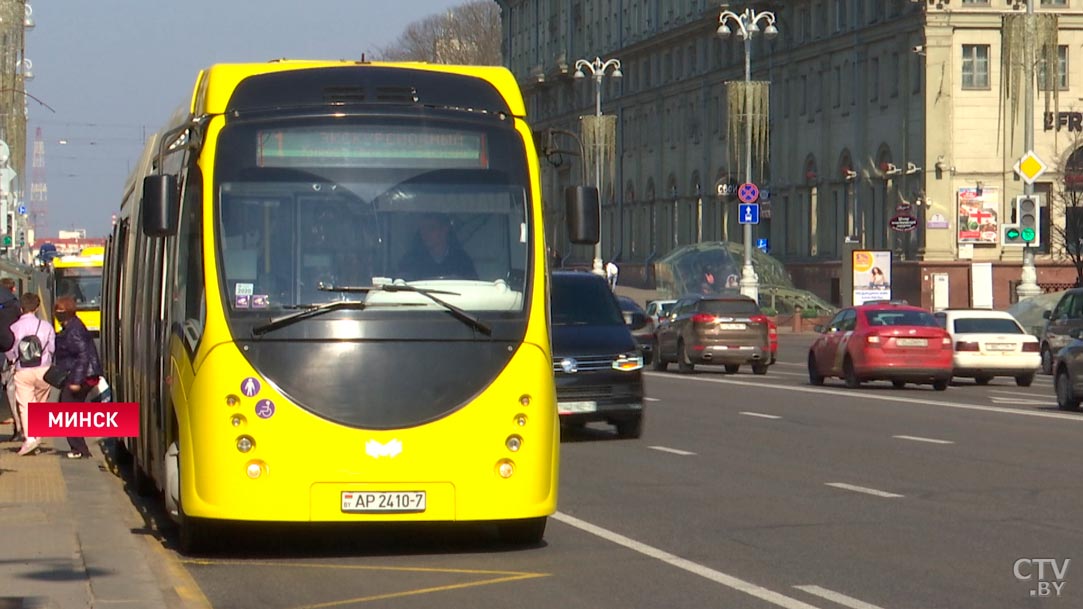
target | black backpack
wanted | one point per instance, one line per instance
(30, 349)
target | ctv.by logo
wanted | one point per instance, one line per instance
(1027, 569)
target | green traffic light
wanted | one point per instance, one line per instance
(1012, 233)
(1028, 234)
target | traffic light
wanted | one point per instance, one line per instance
(1026, 216)
(1029, 211)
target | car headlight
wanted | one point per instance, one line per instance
(628, 363)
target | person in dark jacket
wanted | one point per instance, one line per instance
(76, 353)
(436, 252)
(9, 314)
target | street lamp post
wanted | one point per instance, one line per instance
(747, 24)
(598, 70)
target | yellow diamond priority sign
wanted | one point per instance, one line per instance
(1030, 167)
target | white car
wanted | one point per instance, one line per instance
(990, 343)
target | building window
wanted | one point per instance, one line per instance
(1054, 3)
(896, 74)
(1062, 70)
(804, 94)
(837, 101)
(915, 73)
(840, 15)
(874, 79)
(975, 66)
(976, 2)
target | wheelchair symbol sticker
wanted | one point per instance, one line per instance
(265, 409)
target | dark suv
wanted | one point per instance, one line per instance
(596, 362)
(1065, 317)
(714, 329)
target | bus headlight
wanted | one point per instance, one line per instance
(245, 444)
(514, 443)
(505, 468)
(255, 469)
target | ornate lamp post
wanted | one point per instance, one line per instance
(747, 25)
(598, 70)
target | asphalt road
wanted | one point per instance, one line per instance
(745, 491)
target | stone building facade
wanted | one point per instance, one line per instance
(879, 109)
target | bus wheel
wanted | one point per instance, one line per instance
(528, 531)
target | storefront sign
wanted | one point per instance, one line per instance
(937, 221)
(903, 224)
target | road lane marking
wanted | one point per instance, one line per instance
(920, 439)
(879, 397)
(729, 581)
(651, 399)
(676, 451)
(863, 489)
(1016, 393)
(759, 414)
(837, 597)
(1022, 401)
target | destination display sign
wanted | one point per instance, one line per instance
(370, 146)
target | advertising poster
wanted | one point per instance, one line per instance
(978, 221)
(872, 276)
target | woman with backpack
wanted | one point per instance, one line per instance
(76, 353)
(32, 353)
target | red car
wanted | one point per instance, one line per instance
(891, 342)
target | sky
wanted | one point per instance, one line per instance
(113, 71)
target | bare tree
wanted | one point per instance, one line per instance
(1066, 213)
(467, 34)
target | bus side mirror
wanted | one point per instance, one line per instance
(161, 204)
(581, 213)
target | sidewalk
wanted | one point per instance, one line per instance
(72, 539)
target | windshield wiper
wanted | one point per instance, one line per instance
(462, 315)
(306, 312)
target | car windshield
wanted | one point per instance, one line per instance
(893, 317)
(721, 307)
(986, 325)
(305, 205)
(585, 303)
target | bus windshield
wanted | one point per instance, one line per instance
(82, 284)
(306, 208)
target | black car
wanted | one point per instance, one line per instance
(640, 324)
(596, 362)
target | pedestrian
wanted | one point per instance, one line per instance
(32, 352)
(611, 272)
(76, 353)
(9, 313)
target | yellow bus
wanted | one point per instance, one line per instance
(327, 289)
(80, 276)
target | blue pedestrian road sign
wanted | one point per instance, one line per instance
(22, 210)
(748, 213)
(761, 244)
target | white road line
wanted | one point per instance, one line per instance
(1022, 402)
(729, 581)
(760, 415)
(920, 439)
(1016, 393)
(863, 489)
(675, 451)
(878, 398)
(837, 597)
(651, 399)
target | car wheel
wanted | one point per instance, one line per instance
(732, 368)
(982, 380)
(1066, 398)
(630, 428)
(1047, 360)
(941, 385)
(759, 368)
(1024, 380)
(659, 363)
(898, 384)
(849, 375)
(814, 376)
(684, 363)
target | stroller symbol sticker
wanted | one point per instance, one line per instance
(265, 409)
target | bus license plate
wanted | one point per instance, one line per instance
(383, 501)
